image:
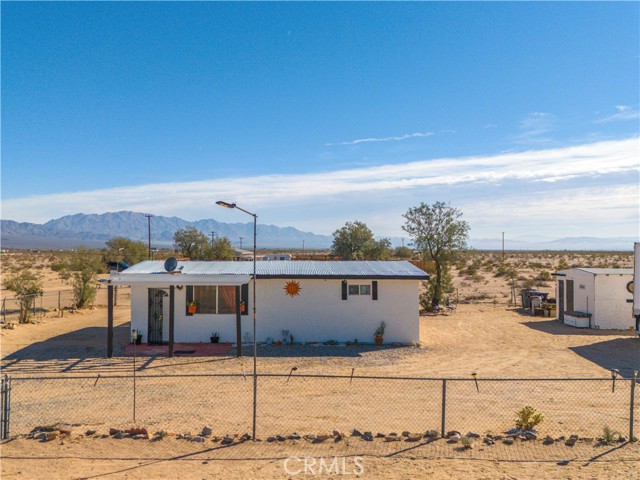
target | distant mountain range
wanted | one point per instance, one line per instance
(568, 243)
(94, 230)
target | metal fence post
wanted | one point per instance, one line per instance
(6, 407)
(443, 433)
(632, 404)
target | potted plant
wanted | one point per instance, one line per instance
(215, 337)
(378, 335)
(243, 307)
(193, 306)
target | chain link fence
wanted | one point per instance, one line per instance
(302, 413)
(54, 303)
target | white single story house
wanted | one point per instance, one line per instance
(595, 297)
(314, 301)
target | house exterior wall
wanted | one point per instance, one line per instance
(318, 313)
(602, 295)
(611, 309)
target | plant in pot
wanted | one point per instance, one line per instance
(193, 306)
(243, 307)
(215, 337)
(378, 335)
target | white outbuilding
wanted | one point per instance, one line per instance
(314, 301)
(595, 297)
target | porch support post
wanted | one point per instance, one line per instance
(238, 324)
(172, 317)
(109, 321)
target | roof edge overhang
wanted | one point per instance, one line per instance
(153, 279)
(203, 279)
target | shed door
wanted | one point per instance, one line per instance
(570, 295)
(561, 300)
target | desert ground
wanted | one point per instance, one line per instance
(485, 334)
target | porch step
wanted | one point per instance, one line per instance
(181, 350)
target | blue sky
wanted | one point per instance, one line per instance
(524, 115)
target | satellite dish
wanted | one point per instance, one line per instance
(170, 264)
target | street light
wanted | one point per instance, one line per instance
(148, 215)
(255, 345)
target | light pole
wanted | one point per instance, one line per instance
(148, 215)
(255, 344)
(134, 340)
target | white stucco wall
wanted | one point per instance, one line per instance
(317, 314)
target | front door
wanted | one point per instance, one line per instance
(156, 297)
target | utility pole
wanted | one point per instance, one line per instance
(148, 215)
(213, 237)
(503, 247)
(241, 238)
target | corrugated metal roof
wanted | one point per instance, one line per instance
(287, 269)
(601, 271)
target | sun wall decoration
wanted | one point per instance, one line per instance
(292, 288)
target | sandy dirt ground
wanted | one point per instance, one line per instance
(29, 459)
(487, 336)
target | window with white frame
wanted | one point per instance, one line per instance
(359, 289)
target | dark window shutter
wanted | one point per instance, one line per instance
(344, 289)
(189, 299)
(244, 297)
(374, 290)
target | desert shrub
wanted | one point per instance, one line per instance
(528, 417)
(467, 442)
(26, 286)
(476, 297)
(609, 435)
(461, 263)
(562, 265)
(544, 276)
(84, 288)
(472, 273)
(506, 270)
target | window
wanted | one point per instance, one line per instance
(215, 300)
(369, 289)
(359, 289)
(206, 299)
(226, 300)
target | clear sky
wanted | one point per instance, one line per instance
(523, 115)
